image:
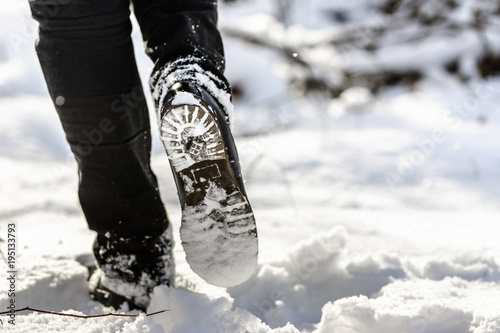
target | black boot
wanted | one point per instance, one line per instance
(218, 228)
(129, 269)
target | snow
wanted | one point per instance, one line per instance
(182, 98)
(375, 213)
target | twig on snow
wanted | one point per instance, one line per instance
(82, 316)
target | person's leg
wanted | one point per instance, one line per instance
(182, 39)
(87, 58)
(193, 104)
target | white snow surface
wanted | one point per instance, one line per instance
(385, 220)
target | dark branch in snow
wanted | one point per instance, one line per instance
(82, 316)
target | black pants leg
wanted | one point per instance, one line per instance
(174, 29)
(182, 39)
(86, 54)
(87, 58)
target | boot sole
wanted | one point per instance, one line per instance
(218, 230)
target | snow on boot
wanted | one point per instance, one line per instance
(129, 269)
(218, 230)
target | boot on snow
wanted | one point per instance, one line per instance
(128, 269)
(218, 230)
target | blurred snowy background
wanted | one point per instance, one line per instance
(369, 134)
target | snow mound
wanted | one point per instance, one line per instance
(424, 306)
(315, 272)
(50, 284)
(53, 284)
(467, 268)
(286, 295)
(193, 312)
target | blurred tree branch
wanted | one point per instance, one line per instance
(393, 23)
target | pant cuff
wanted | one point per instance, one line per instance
(189, 69)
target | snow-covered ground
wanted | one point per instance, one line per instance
(375, 214)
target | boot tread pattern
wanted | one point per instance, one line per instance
(218, 229)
